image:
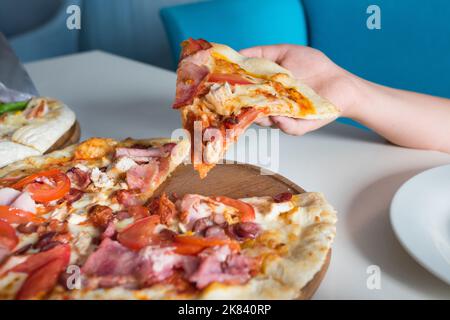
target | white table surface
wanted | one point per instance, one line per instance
(356, 170)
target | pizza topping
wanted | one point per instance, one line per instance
(110, 259)
(215, 232)
(100, 179)
(201, 225)
(37, 107)
(229, 78)
(45, 186)
(190, 83)
(27, 228)
(194, 207)
(191, 245)
(24, 202)
(73, 196)
(94, 148)
(138, 212)
(41, 282)
(128, 198)
(142, 155)
(139, 234)
(141, 177)
(164, 208)
(8, 237)
(110, 231)
(38, 260)
(244, 230)
(192, 46)
(14, 215)
(8, 195)
(221, 265)
(282, 197)
(100, 216)
(79, 179)
(246, 211)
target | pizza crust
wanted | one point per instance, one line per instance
(42, 135)
(11, 152)
(267, 68)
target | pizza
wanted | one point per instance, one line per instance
(53, 208)
(82, 223)
(31, 127)
(220, 93)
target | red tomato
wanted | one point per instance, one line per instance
(193, 244)
(42, 192)
(138, 212)
(38, 260)
(8, 237)
(41, 281)
(230, 78)
(14, 215)
(140, 233)
(246, 211)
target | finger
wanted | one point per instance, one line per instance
(297, 127)
(274, 53)
(265, 122)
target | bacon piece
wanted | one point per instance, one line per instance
(194, 207)
(73, 196)
(110, 259)
(192, 46)
(163, 207)
(78, 178)
(215, 232)
(128, 198)
(141, 177)
(24, 202)
(190, 80)
(157, 264)
(220, 265)
(100, 216)
(110, 231)
(8, 195)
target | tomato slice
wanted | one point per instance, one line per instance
(231, 78)
(38, 260)
(42, 192)
(140, 233)
(138, 212)
(247, 213)
(192, 244)
(41, 281)
(8, 237)
(14, 215)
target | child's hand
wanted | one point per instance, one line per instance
(313, 68)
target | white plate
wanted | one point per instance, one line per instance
(420, 217)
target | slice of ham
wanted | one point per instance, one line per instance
(128, 198)
(190, 80)
(194, 207)
(24, 202)
(145, 154)
(220, 265)
(8, 195)
(78, 178)
(157, 264)
(110, 259)
(142, 177)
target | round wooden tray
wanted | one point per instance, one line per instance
(70, 137)
(238, 181)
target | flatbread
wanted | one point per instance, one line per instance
(33, 134)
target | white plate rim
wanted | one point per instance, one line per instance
(398, 233)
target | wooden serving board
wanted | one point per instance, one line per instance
(70, 137)
(238, 181)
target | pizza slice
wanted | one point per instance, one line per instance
(220, 93)
(32, 127)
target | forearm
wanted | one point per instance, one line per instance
(405, 118)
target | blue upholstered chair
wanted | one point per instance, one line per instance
(37, 29)
(238, 23)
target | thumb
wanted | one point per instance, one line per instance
(275, 53)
